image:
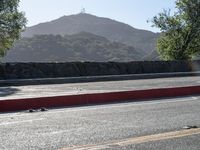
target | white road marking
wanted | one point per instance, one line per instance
(18, 122)
(55, 132)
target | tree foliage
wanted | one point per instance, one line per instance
(12, 22)
(180, 38)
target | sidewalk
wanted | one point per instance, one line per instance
(33, 91)
(56, 95)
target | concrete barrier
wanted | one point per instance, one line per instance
(85, 99)
(79, 69)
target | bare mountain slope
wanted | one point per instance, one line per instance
(78, 47)
(111, 29)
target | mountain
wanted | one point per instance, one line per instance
(79, 47)
(108, 28)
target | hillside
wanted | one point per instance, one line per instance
(111, 29)
(79, 47)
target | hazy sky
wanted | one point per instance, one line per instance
(133, 12)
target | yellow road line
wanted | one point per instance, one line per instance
(139, 140)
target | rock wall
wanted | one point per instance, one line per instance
(76, 69)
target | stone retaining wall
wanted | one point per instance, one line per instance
(76, 69)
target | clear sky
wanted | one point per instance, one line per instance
(133, 12)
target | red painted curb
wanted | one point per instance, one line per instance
(72, 100)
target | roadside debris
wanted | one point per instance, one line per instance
(42, 109)
(190, 127)
(31, 110)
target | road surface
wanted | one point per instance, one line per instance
(157, 124)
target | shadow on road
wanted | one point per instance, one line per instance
(5, 91)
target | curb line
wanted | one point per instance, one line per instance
(95, 98)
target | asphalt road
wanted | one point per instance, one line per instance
(97, 125)
(16, 92)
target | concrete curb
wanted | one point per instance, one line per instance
(95, 98)
(82, 79)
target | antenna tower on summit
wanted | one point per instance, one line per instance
(83, 11)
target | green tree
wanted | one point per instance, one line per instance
(180, 37)
(12, 22)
